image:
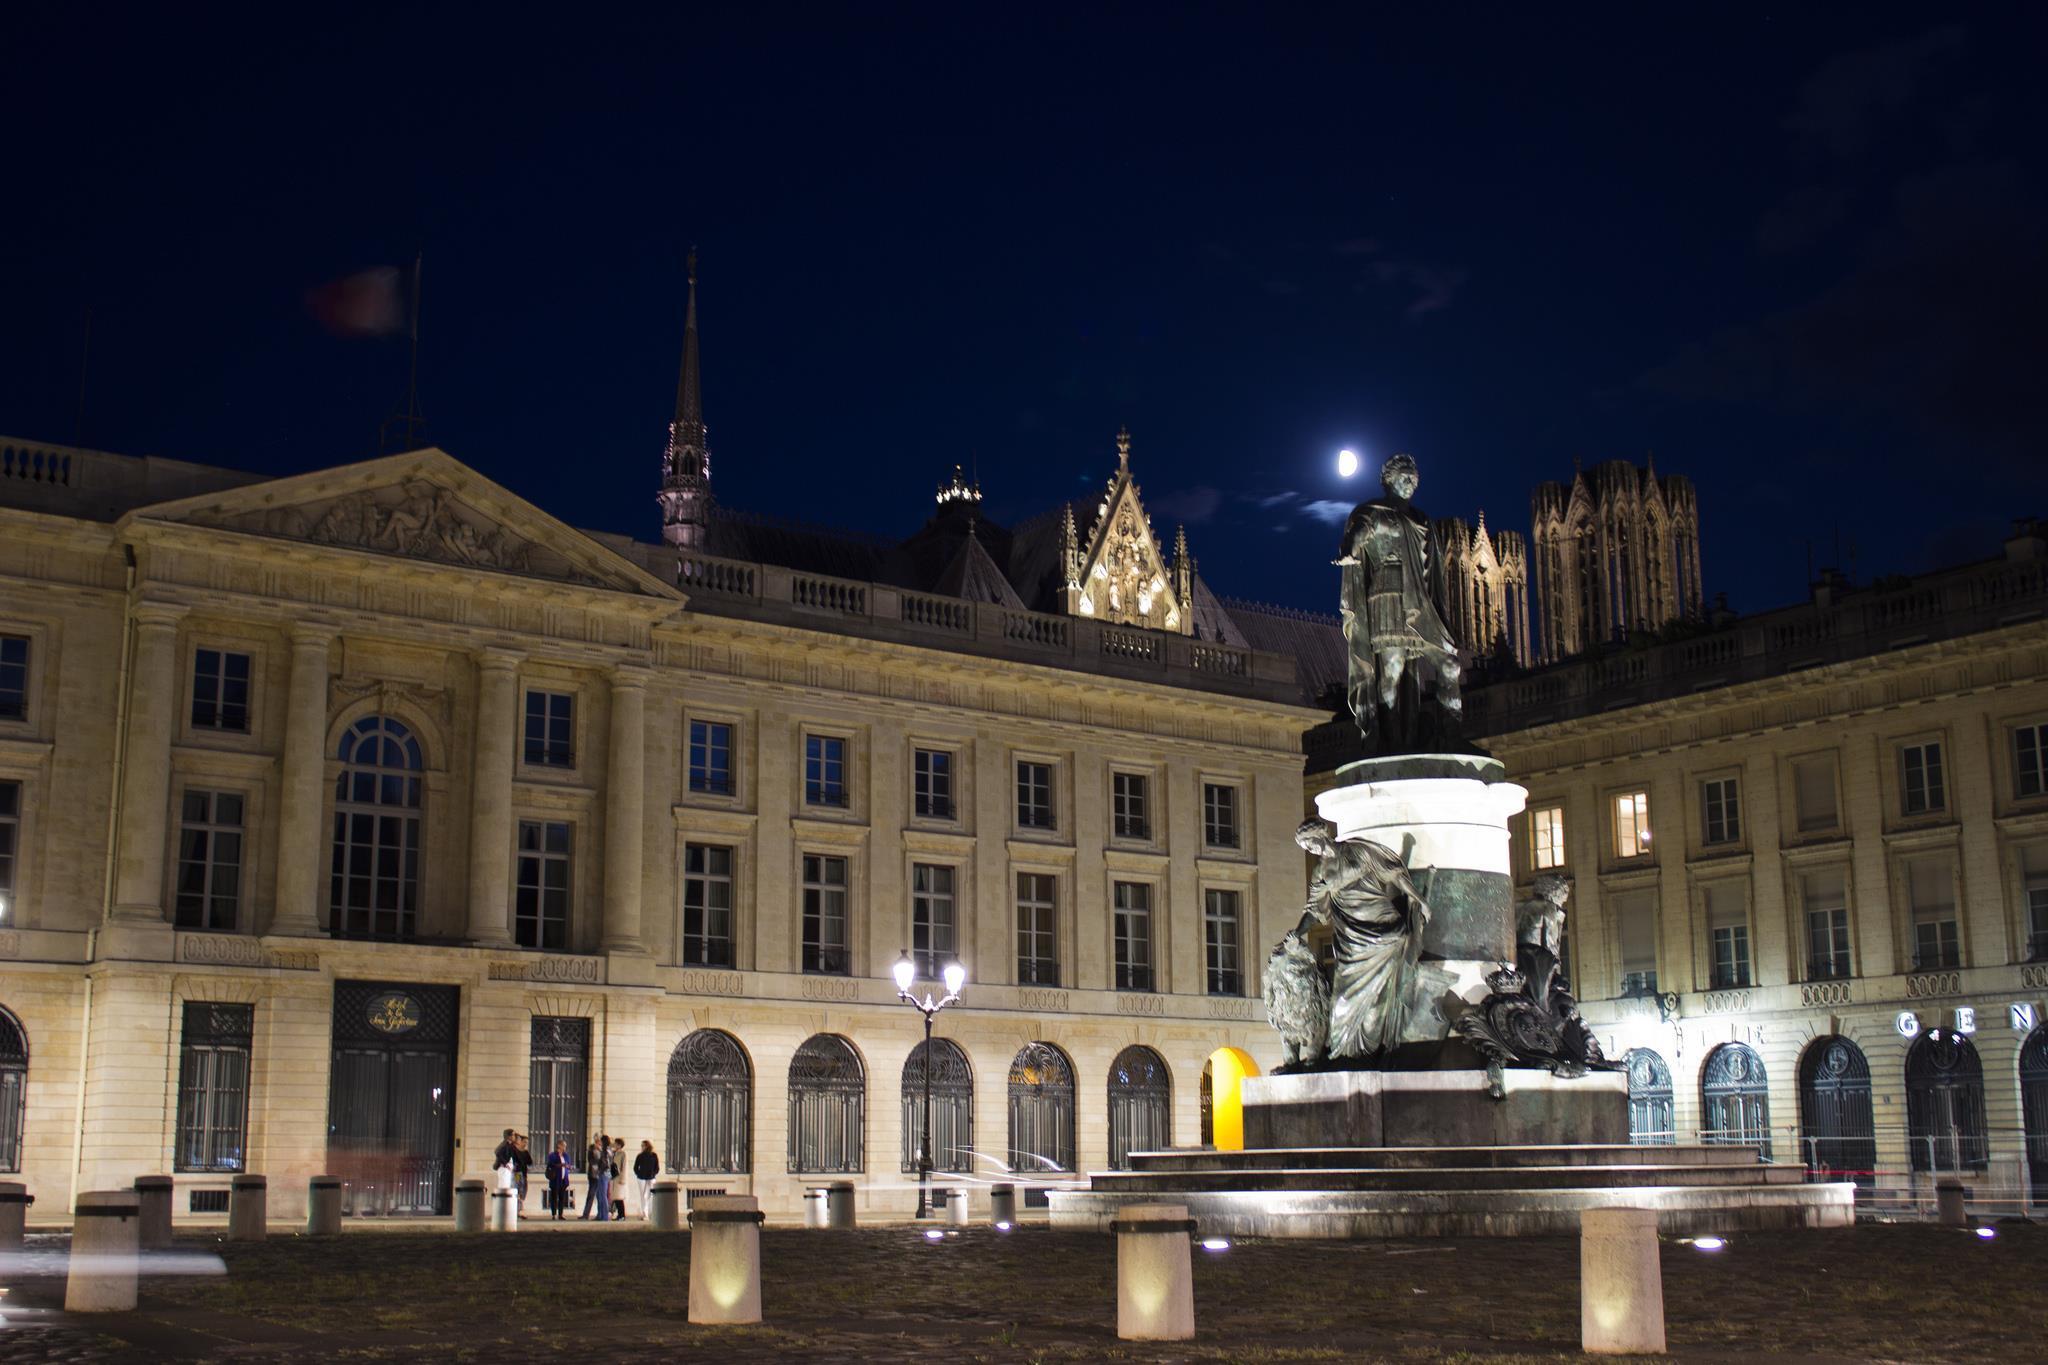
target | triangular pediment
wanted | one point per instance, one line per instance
(1124, 576)
(422, 505)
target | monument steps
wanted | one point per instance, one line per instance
(1436, 1158)
(1445, 1178)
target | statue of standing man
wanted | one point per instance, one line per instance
(1393, 605)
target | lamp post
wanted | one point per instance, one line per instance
(955, 976)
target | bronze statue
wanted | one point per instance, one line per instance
(1297, 1002)
(1363, 891)
(1393, 605)
(1531, 1018)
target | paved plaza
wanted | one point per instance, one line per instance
(1897, 1293)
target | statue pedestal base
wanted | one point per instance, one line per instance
(1325, 1109)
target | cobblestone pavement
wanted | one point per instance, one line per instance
(1033, 1295)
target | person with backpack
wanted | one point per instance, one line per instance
(646, 1167)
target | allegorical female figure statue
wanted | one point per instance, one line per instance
(1363, 892)
(1393, 606)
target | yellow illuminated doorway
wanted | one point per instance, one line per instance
(1223, 1098)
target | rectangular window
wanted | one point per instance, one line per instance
(1728, 926)
(1034, 796)
(1131, 813)
(1721, 811)
(1632, 824)
(558, 1086)
(2030, 760)
(1038, 954)
(1133, 936)
(10, 843)
(932, 921)
(213, 1087)
(711, 758)
(824, 771)
(1546, 837)
(1921, 791)
(2033, 890)
(1219, 815)
(13, 677)
(1827, 925)
(1930, 883)
(1220, 935)
(1813, 794)
(220, 690)
(209, 889)
(540, 903)
(707, 905)
(551, 729)
(932, 783)
(1635, 918)
(825, 915)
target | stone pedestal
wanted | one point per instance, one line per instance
(154, 1193)
(1155, 1283)
(815, 1212)
(958, 1207)
(665, 1206)
(248, 1209)
(14, 1202)
(504, 1215)
(1949, 1207)
(725, 1259)
(1621, 1283)
(469, 1205)
(1433, 1109)
(323, 1206)
(106, 1232)
(839, 1205)
(1002, 1204)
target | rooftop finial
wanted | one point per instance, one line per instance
(1123, 447)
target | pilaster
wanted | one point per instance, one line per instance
(301, 790)
(625, 782)
(490, 827)
(146, 765)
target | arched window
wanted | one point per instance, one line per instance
(13, 1089)
(1649, 1100)
(827, 1107)
(376, 876)
(952, 1082)
(1735, 1101)
(1041, 1110)
(1836, 1126)
(1945, 1104)
(710, 1105)
(1140, 1100)
(2034, 1108)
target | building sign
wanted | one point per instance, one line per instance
(394, 1012)
(2021, 1016)
(1966, 1019)
(1908, 1024)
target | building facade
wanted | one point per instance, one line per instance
(1617, 555)
(1486, 575)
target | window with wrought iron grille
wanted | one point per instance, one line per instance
(952, 1091)
(1130, 806)
(540, 902)
(1720, 811)
(1133, 916)
(824, 771)
(1220, 815)
(1038, 954)
(1140, 1105)
(711, 772)
(220, 690)
(209, 887)
(1034, 796)
(931, 781)
(824, 893)
(2030, 760)
(710, 1106)
(551, 729)
(13, 1090)
(558, 1087)
(1827, 925)
(1631, 824)
(1546, 837)
(1922, 790)
(1221, 938)
(1735, 1099)
(707, 906)
(10, 845)
(213, 1087)
(827, 1108)
(13, 677)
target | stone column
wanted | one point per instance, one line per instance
(302, 791)
(625, 782)
(146, 765)
(490, 799)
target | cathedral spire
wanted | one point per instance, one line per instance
(685, 495)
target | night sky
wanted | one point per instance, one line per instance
(1800, 254)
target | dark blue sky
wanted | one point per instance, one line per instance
(1797, 252)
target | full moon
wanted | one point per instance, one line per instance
(1347, 463)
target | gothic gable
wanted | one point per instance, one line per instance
(1117, 571)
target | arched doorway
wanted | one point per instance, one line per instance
(1041, 1110)
(2034, 1108)
(952, 1082)
(827, 1107)
(710, 1105)
(1223, 1077)
(1735, 1099)
(1836, 1127)
(13, 1090)
(1140, 1105)
(1649, 1100)
(1945, 1104)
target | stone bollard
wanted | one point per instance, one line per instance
(469, 1205)
(725, 1259)
(839, 1205)
(1002, 1204)
(106, 1233)
(1621, 1283)
(153, 1193)
(665, 1206)
(323, 1206)
(248, 1209)
(1155, 1278)
(814, 1206)
(1949, 1209)
(14, 1202)
(504, 1210)
(957, 1206)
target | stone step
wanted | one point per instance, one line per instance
(1439, 1158)
(1445, 1179)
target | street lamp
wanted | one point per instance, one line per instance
(955, 977)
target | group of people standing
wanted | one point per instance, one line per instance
(605, 1169)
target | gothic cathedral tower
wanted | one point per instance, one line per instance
(685, 495)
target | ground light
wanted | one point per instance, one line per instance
(1987, 1233)
(1002, 1227)
(1708, 1243)
(1215, 1244)
(934, 1235)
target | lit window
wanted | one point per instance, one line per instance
(932, 784)
(1921, 791)
(1546, 837)
(710, 758)
(540, 906)
(551, 729)
(1034, 796)
(1219, 815)
(824, 770)
(1631, 824)
(1721, 811)
(220, 690)
(1130, 810)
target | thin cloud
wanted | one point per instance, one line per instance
(1327, 511)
